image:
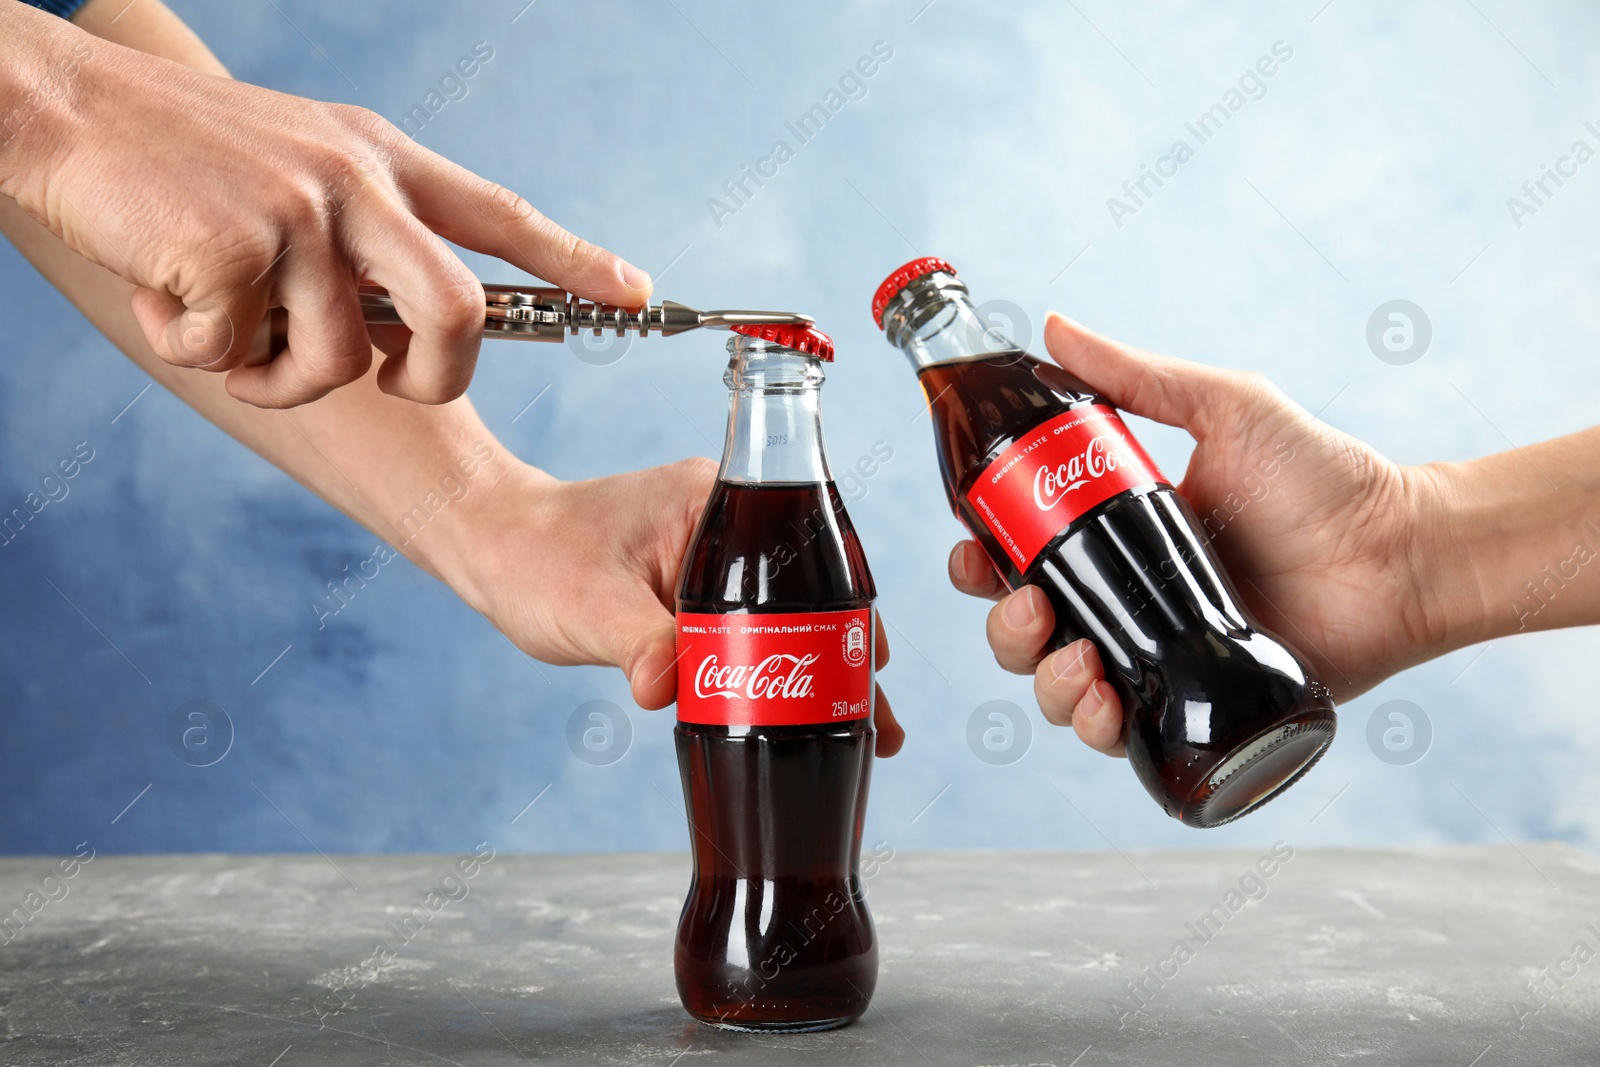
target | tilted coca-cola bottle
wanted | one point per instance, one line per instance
(775, 701)
(1220, 714)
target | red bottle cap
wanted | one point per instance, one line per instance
(900, 279)
(808, 339)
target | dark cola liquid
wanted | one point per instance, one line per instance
(775, 933)
(1223, 715)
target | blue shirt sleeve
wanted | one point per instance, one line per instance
(65, 8)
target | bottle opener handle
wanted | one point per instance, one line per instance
(538, 313)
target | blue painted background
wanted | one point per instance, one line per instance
(1375, 166)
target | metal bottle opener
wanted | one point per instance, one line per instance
(543, 313)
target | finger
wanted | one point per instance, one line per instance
(1098, 719)
(649, 659)
(203, 333)
(1171, 391)
(890, 734)
(328, 342)
(437, 297)
(390, 340)
(880, 644)
(1064, 677)
(973, 574)
(479, 214)
(1019, 628)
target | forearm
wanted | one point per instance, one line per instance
(43, 58)
(150, 26)
(33, 39)
(1516, 542)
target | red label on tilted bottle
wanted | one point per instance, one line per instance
(1054, 473)
(775, 670)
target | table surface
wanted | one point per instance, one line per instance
(1423, 956)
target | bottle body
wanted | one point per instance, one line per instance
(775, 734)
(1221, 715)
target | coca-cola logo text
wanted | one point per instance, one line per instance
(779, 676)
(1052, 484)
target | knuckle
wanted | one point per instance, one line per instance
(337, 355)
(991, 627)
(457, 305)
(1054, 714)
(323, 375)
(1051, 706)
(304, 213)
(345, 178)
(1254, 381)
(339, 362)
(1095, 733)
(509, 203)
(1255, 386)
(351, 158)
(370, 126)
(566, 249)
(580, 254)
(1006, 657)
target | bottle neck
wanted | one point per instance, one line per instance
(933, 320)
(774, 415)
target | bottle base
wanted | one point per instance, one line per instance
(805, 1027)
(1259, 770)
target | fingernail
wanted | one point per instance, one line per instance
(1068, 663)
(634, 277)
(958, 564)
(1019, 610)
(1092, 702)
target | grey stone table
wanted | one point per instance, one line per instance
(1466, 957)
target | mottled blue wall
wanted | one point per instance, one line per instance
(1375, 166)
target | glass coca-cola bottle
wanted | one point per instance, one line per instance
(775, 701)
(1220, 714)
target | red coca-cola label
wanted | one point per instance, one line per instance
(774, 670)
(1054, 473)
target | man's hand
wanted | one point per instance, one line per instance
(587, 572)
(220, 200)
(1331, 545)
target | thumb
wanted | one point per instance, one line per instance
(1171, 391)
(210, 333)
(650, 658)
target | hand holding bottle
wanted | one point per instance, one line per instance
(1223, 714)
(1331, 544)
(586, 571)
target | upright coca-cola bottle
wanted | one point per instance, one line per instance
(775, 702)
(1220, 714)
